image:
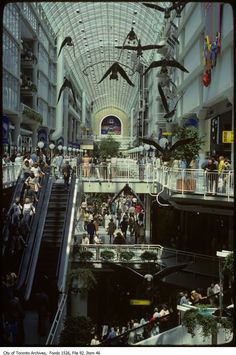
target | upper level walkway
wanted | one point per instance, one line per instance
(146, 179)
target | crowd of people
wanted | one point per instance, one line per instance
(119, 217)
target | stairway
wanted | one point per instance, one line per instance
(53, 232)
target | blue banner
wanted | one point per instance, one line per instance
(43, 136)
(5, 130)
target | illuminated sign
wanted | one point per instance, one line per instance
(228, 136)
(167, 133)
(140, 302)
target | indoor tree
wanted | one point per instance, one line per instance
(108, 146)
(189, 151)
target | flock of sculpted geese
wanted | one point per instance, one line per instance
(163, 64)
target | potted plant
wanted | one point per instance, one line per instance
(188, 153)
(76, 331)
(126, 255)
(85, 255)
(149, 255)
(107, 254)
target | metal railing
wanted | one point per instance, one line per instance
(165, 257)
(57, 325)
(10, 173)
(194, 181)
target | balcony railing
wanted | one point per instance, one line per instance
(182, 181)
(165, 257)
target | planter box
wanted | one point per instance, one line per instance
(186, 185)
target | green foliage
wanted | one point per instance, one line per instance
(126, 255)
(149, 255)
(229, 264)
(107, 254)
(85, 255)
(86, 278)
(190, 151)
(209, 323)
(32, 114)
(108, 146)
(76, 332)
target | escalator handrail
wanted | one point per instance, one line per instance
(38, 239)
(148, 323)
(28, 252)
(62, 253)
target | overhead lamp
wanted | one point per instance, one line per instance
(60, 147)
(51, 146)
(133, 22)
(40, 144)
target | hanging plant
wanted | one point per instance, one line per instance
(229, 264)
(86, 281)
(209, 324)
(107, 254)
(149, 255)
(126, 255)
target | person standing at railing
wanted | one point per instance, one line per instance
(211, 175)
(220, 170)
(91, 231)
(141, 166)
(86, 168)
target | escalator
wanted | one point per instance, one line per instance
(53, 232)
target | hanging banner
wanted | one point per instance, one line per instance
(5, 130)
(43, 136)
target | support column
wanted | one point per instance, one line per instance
(60, 79)
(65, 114)
(79, 304)
(83, 107)
(16, 131)
(34, 137)
(35, 73)
(132, 126)
(148, 219)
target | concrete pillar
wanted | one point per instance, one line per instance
(60, 79)
(35, 73)
(65, 132)
(16, 131)
(83, 107)
(79, 304)
(148, 218)
(132, 126)
(34, 137)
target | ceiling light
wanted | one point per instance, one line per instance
(135, 12)
(80, 21)
(82, 30)
(133, 22)
(78, 11)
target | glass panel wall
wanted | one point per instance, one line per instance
(11, 54)
(43, 110)
(43, 87)
(10, 88)
(11, 20)
(43, 60)
(28, 12)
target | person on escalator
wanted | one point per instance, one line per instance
(28, 211)
(66, 171)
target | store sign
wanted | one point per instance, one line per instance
(134, 302)
(228, 136)
(167, 133)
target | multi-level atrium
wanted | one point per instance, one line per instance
(118, 125)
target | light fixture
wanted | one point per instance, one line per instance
(51, 146)
(60, 147)
(69, 149)
(40, 144)
(64, 148)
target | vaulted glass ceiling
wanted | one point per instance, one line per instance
(96, 28)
